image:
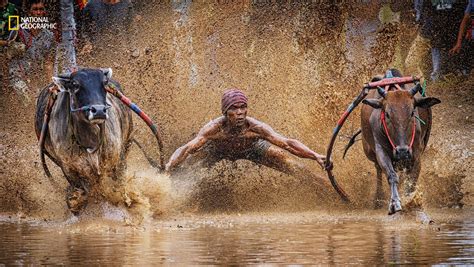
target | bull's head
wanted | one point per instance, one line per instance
(86, 88)
(399, 109)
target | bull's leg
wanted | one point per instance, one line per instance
(413, 199)
(76, 199)
(410, 184)
(385, 163)
(379, 195)
(76, 195)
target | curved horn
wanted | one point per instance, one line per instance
(381, 91)
(415, 89)
(107, 72)
(65, 75)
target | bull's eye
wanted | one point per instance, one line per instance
(387, 116)
(413, 113)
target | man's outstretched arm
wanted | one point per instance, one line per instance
(192, 146)
(462, 28)
(293, 146)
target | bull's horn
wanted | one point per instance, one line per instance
(65, 75)
(381, 91)
(415, 89)
(107, 72)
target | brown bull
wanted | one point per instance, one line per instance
(394, 138)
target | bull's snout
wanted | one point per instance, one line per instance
(97, 113)
(402, 153)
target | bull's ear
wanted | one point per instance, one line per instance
(375, 103)
(426, 102)
(107, 72)
(61, 83)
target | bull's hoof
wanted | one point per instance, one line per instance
(76, 200)
(395, 206)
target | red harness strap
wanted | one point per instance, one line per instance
(384, 123)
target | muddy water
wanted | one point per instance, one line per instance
(304, 238)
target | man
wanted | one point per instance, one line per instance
(468, 44)
(235, 136)
(438, 24)
(6, 37)
(6, 10)
(40, 47)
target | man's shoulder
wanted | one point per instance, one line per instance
(216, 121)
(256, 125)
(253, 121)
(212, 126)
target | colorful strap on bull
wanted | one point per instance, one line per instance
(111, 88)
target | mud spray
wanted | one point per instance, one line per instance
(300, 64)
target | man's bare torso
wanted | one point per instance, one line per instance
(235, 143)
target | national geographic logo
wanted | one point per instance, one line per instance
(15, 23)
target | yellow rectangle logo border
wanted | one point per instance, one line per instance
(17, 23)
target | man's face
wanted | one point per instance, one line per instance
(37, 10)
(236, 114)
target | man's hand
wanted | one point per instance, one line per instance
(329, 166)
(168, 168)
(320, 159)
(455, 49)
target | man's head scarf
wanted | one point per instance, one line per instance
(231, 97)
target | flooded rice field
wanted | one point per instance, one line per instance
(302, 238)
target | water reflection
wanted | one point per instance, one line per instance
(214, 242)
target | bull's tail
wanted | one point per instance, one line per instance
(45, 166)
(43, 162)
(351, 142)
(152, 162)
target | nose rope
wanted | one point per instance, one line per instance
(384, 123)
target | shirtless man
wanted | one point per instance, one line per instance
(235, 136)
